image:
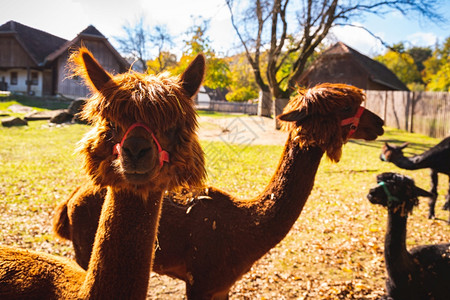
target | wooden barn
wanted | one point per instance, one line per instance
(342, 64)
(34, 62)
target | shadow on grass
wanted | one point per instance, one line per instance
(417, 147)
(38, 102)
(363, 171)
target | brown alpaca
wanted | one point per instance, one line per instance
(214, 239)
(143, 141)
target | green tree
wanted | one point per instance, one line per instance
(437, 68)
(402, 64)
(420, 55)
(441, 80)
(243, 86)
(164, 61)
(218, 74)
(217, 69)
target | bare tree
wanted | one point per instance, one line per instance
(138, 41)
(163, 41)
(290, 32)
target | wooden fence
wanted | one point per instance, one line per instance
(420, 112)
(229, 107)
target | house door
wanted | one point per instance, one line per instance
(47, 83)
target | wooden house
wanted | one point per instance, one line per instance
(342, 64)
(34, 62)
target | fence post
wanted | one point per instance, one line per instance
(264, 103)
(411, 112)
(278, 106)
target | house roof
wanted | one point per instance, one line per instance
(91, 30)
(37, 43)
(89, 33)
(377, 71)
(43, 47)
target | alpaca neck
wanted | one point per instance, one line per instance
(398, 259)
(410, 163)
(281, 203)
(123, 248)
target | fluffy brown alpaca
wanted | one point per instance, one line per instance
(215, 239)
(143, 141)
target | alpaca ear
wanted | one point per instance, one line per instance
(422, 193)
(91, 70)
(293, 116)
(403, 146)
(192, 77)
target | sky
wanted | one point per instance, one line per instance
(67, 18)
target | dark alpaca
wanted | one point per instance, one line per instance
(424, 271)
(436, 158)
(214, 239)
(143, 141)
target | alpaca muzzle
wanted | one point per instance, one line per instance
(391, 199)
(163, 155)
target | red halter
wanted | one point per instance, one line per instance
(353, 121)
(163, 155)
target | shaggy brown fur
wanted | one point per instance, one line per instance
(157, 101)
(325, 130)
(213, 240)
(133, 182)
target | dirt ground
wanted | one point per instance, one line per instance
(241, 129)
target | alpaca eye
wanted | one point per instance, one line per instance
(113, 130)
(112, 126)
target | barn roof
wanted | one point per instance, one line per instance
(37, 43)
(89, 33)
(43, 47)
(91, 30)
(377, 71)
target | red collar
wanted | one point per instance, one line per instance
(163, 155)
(353, 121)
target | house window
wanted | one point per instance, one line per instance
(13, 80)
(34, 78)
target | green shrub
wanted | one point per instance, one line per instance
(242, 94)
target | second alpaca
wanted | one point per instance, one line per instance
(437, 158)
(424, 271)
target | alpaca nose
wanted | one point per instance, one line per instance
(136, 148)
(371, 197)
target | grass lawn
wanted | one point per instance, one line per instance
(215, 114)
(334, 251)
